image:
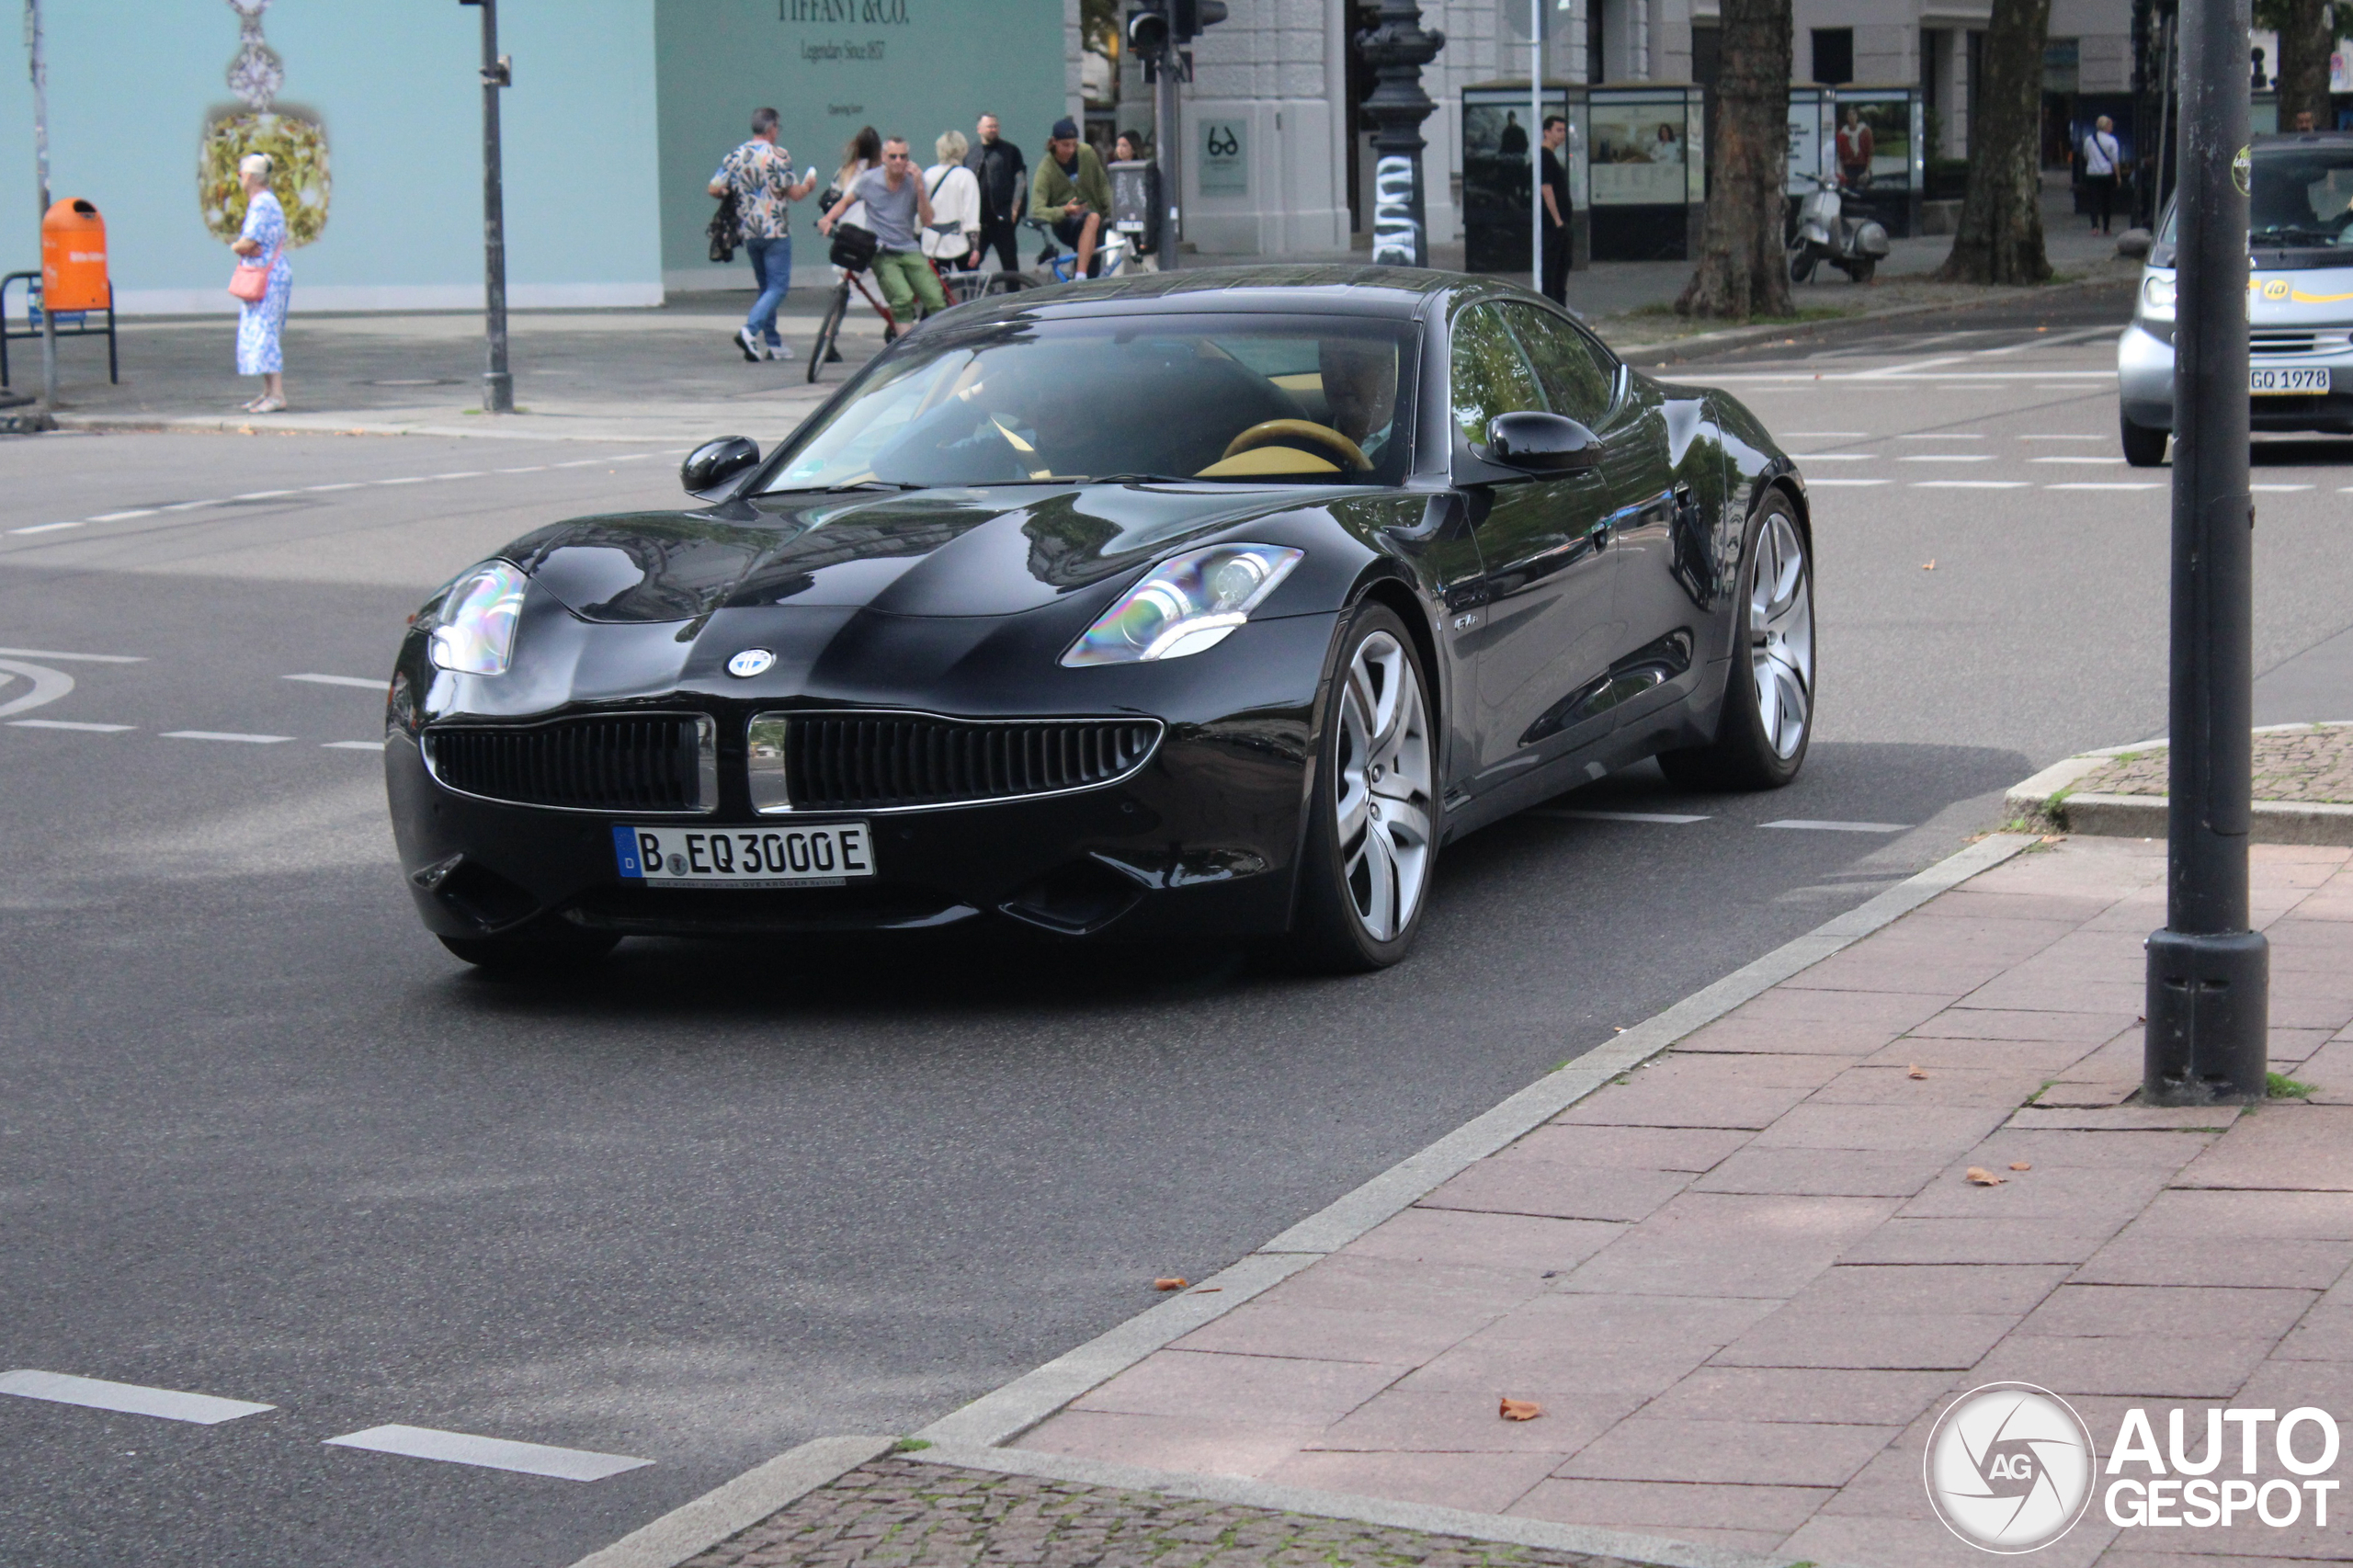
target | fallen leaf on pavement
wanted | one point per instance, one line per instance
(1918, 1072)
(1927, 565)
(1980, 1176)
(2021, 1164)
(1208, 1290)
(1173, 1282)
(1520, 1409)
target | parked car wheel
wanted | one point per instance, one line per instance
(1371, 835)
(2143, 446)
(1768, 706)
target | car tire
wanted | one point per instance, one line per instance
(1801, 264)
(1769, 692)
(1372, 820)
(1861, 270)
(543, 946)
(2143, 446)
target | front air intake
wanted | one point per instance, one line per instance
(868, 761)
(649, 762)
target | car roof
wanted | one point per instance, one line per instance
(2302, 139)
(1397, 293)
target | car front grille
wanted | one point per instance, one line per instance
(2262, 342)
(865, 762)
(649, 762)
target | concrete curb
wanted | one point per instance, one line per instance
(697, 1526)
(1001, 1416)
(2048, 800)
(1655, 1550)
(1650, 355)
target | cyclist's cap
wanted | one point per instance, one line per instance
(1063, 130)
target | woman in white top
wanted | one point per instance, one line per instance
(864, 152)
(954, 238)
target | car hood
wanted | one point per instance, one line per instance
(993, 551)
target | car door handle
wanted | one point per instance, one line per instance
(1600, 535)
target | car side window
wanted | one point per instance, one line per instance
(1488, 375)
(1578, 378)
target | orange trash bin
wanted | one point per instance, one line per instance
(74, 258)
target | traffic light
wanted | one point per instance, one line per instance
(1187, 18)
(1148, 31)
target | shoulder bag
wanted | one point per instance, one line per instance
(854, 247)
(250, 282)
(725, 230)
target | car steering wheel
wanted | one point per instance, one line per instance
(1269, 431)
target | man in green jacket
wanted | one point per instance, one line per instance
(1071, 191)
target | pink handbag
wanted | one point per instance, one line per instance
(250, 282)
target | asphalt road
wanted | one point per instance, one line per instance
(261, 1139)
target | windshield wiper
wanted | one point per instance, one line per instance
(1138, 479)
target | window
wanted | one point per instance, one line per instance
(1578, 376)
(1833, 55)
(1488, 375)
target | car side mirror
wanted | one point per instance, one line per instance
(1542, 443)
(2133, 244)
(713, 463)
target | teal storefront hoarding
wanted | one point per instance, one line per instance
(913, 68)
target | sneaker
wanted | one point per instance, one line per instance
(748, 343)
(779, 351)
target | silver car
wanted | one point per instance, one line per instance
(2300, 301)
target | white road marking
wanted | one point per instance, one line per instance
(412, 479)
(1814, 826)
(187, 505)
(463, 473)
(2276, 489)
(2109, 484)
(47, 685)
(2051, 340)
(490, 1453)
(1843, 483)
(1912, 369)
(2066, 438)
(1669, 818)
(68, 724)
(1948, 458)
(1826, 435)
(264, 495)
(534, 468)
(1969, 484)
(2074, 459)
(73, 658)
(351, 746)
(1945, 436)
(363, 682)
(224, 736)
(581, 462)
(131, 1399)
(347, 484)
(47, 527)
(120, 517)
(1837, 456)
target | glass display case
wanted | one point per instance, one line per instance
(1498, 154)
(1876, 136)
(1647, 170)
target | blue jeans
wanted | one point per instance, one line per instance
(772, 273)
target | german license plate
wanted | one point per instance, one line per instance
(2265, 381)
(824, 855)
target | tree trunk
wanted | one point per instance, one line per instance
(1744, 266)
(2000, 237)
(2305, 47)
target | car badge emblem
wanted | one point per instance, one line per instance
(749, 663)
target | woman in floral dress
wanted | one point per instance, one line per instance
(259, 321)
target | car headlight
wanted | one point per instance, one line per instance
(1185, 605)
(476, 636)
(2156, 297)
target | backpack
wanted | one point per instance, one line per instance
(725, 230)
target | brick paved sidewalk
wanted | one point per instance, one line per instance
(896, 1512)
(1742, 1280)
(2310, 762)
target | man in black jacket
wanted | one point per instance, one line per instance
(1004, 177)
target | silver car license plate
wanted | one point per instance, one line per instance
(2268, 380)
(824, 855)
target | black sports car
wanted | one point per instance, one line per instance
(1200, 602)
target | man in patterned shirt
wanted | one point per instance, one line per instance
(759, 174)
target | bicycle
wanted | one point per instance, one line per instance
(1115, 253)
(961, 288)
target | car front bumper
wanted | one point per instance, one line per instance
(1204, 837)
(2144, 373)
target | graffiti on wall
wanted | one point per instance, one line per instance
(291, 135)
(1396, 231)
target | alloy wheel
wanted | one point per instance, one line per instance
(1383, 804)
(1780, 634)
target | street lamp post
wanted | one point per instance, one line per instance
(2208, 973)
(497, 73)
(35, 47)
(1397, 49)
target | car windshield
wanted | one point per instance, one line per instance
(1243, 399)
(2300, 197)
